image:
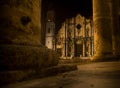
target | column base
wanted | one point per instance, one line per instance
(22, 62)
(22, 57)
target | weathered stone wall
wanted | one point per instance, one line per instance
(20, 40)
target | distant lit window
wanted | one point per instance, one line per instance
(48, 30)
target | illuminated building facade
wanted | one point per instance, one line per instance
(75, 38)
(50, 30)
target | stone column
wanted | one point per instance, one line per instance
(92, 38)
(65, 40)
(102, 30)
(21, 52)
(20, 35)
(19, 32)
(84, 38)
(114, 5)
(20, 22)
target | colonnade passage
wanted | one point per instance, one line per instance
(22, 53)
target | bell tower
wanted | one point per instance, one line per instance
(50, 30)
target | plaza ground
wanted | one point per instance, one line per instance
(93, 75)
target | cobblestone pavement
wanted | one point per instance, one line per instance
(95, 75)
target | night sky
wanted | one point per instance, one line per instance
(69, 8)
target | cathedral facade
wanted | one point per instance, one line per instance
(75, 38)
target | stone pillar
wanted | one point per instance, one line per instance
(92, 38)
(21, 52)
(84, 38)
(19, 32)
(83, 48)
(65, 40)
(102, 30)
(74, 39)
(20, 35)
(114, 5)
(20, 22)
